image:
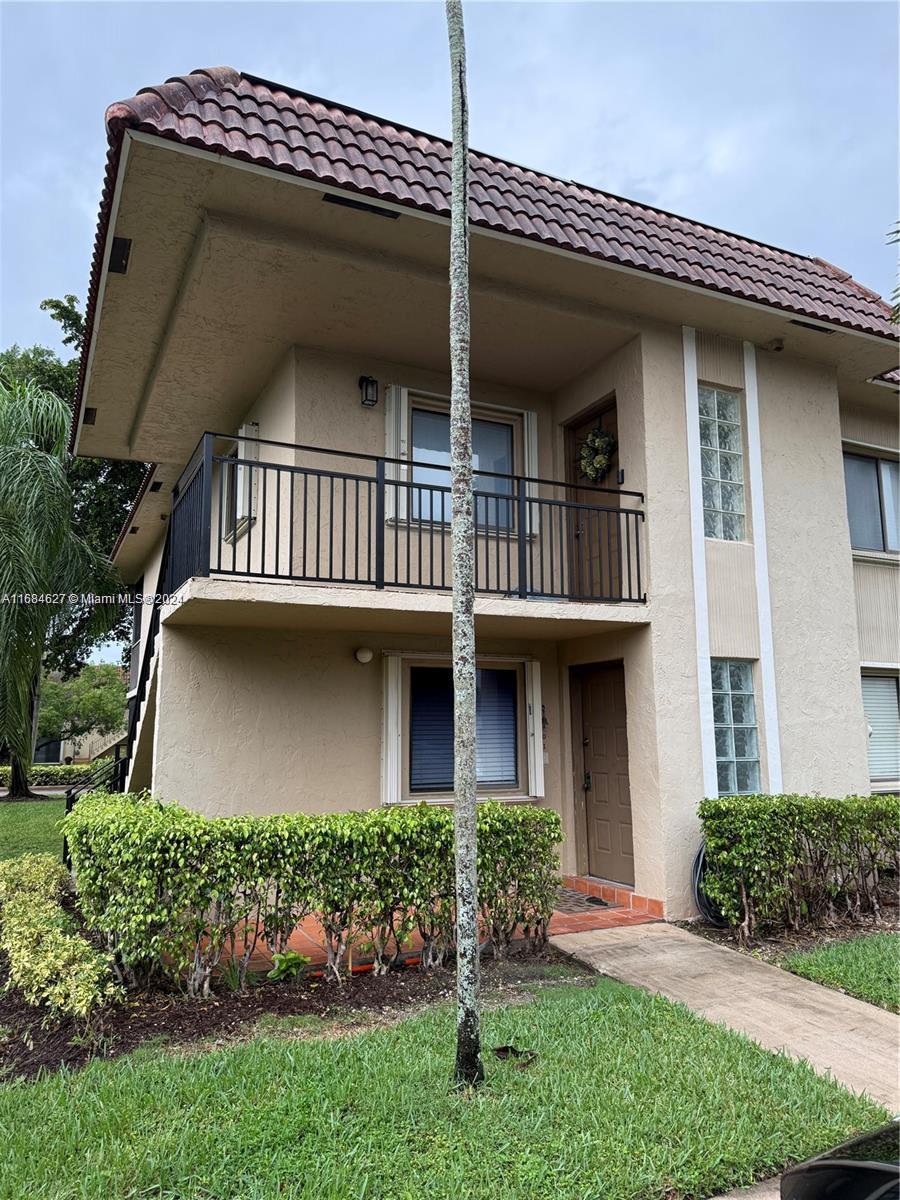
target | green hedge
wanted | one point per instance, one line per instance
(795, 861)
(173, 890)
(49, 961)
(50, 775)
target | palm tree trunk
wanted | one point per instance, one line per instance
(18, 781)
(469, 1069)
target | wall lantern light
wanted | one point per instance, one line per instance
(368, 391)
(364, 655)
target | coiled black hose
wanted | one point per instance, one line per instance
(709, 910)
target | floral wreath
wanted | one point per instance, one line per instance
(595, 454)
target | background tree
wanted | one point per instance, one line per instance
(91, 702)
(41, 554)
(102, 489)
(469, 1069)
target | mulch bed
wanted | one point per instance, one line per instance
(27, 1047)
(774, 946)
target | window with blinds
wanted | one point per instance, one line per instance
(873, 502)
(881, 702)
(431, 729)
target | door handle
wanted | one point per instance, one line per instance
(587, 781)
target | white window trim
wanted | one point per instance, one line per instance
(247, 479)
(392, 723)
(396, 445)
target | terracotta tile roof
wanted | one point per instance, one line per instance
(247, 118)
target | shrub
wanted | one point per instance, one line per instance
(171, 889)
(49, 961)
(797, 860)
(56, 775)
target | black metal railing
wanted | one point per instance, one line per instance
(339, 517)
(113, 775)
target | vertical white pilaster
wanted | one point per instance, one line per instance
(698, 562)
(760, 554)
(391, 729)
(535, 728)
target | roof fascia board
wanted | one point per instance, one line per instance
(132, 512)
(104, 274)
(409, 210)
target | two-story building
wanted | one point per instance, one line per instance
(267, 326)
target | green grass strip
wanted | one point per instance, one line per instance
(867, 967)
(630, 1098)
(30, 826)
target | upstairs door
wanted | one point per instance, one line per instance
(595, 571)
(600, 726)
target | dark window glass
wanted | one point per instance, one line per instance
(48, 751)
(492, 450)
(863, 502)
(431, 729)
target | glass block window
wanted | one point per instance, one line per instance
(722, 464)
(737, 737)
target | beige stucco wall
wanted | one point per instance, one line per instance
(665, 770)
(823, 733)
(283, 722)
(287, 720)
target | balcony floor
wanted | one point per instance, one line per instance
(256, 604)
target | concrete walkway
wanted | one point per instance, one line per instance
(854, 1041)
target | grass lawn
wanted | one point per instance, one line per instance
(630, 1098)
(867, 967)
(31, 826)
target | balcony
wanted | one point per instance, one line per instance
(261, 510)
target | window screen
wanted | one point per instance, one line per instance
(431, 729)
(882, 708)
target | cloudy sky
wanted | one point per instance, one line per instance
(773, 120)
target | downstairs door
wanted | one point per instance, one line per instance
(600, 722)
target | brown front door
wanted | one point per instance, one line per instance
(604, 745)
(594, 567)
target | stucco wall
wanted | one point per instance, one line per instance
(823, 733)
(283, 722)
(665, 772)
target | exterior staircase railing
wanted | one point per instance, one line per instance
(112, 776)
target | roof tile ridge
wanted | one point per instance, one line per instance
(155, 101)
